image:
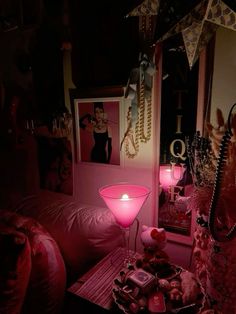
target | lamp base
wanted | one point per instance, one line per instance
(129, 258)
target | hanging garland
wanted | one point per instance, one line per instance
(145, 111)
(139, 113)
(131, 138)
(139, 90)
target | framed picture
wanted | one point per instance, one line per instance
(97, 130)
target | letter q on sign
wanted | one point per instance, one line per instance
(182, 150)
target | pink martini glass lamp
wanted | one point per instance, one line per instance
(125, 201)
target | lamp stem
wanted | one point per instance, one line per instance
(127, 236)
(128, 260)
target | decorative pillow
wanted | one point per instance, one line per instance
(15, 267)
(47, 282)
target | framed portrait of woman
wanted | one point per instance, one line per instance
(97, 130)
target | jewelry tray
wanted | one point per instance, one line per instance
(140, 301)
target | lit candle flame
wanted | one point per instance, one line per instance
(125, 197)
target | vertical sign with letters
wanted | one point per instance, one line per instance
(178, 120)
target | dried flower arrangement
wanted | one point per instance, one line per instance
(213, 166)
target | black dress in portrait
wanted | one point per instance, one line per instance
(99, 153)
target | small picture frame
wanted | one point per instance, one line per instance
(97, 130)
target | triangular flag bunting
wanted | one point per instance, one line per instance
(220, 14)
(200, 24)
(196, 38)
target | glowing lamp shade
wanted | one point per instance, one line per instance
(170, 175)
(124, 201)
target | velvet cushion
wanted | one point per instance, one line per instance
(15, 267)
(47, 282)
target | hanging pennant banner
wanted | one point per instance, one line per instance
(222, 15)
(198, 26)
(195, 38)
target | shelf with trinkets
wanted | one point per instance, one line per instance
(61, 126)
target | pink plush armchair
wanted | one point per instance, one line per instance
(32, 270)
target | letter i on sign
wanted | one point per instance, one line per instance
(178, 122)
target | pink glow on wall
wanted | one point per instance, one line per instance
(125, 201)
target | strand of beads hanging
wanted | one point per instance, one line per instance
(145, 111)
(132, 137)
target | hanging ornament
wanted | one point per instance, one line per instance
(139, 86)
(147, 12)
(198, 26)
(147, 71)
(139, 115)
(131, 137)
(148, 7)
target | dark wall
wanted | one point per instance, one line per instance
(105, 47)
(47, 65)
(105, 43)
(31, 63)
